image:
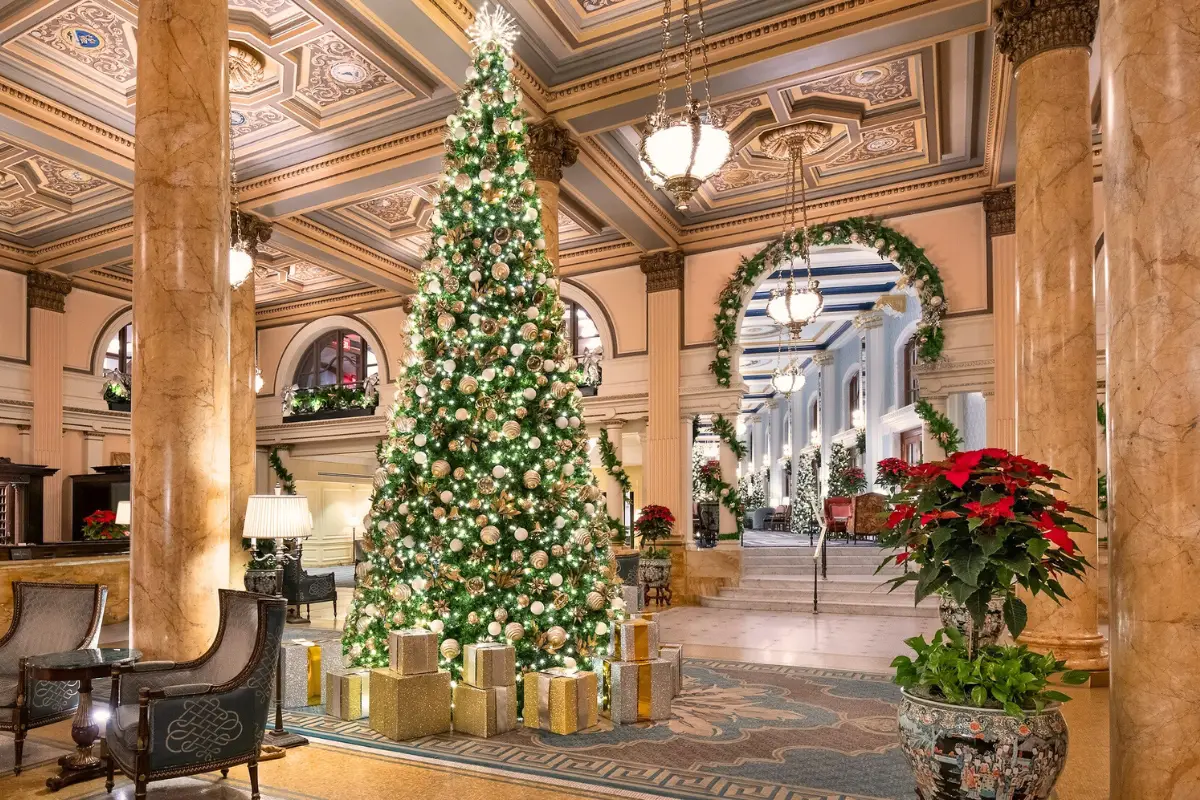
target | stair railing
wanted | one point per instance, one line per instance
(820, 558)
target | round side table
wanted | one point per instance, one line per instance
(83, 666)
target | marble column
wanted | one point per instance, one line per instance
(826, 397)
(758, 438)
(550, 150)
(614, 495)
(774, 451)
(1000, 207)
(1056, 313)
(181, 393)
(686, 523)
(664, 469)
(243, 428)
(1151, 168)
(46, 294)
(729, 463)
(870, 323)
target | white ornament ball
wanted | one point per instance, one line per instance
(556, 579)
(419, 440)
(460, 133)
(575, 422)
(419, 584)
(561, 422)
(601, 628)
(517, 349)
(520, 534)
(446, 496)
(568, 468)
(488, 374)
(529, 393)
(589, 508)
(534, 443)
(437, 626)
(499, 472)
(409, 542)
(420, 457)
(560, 523)
(494, 628)
(569, 662)
(475, 276)
(509, 63)
(509, 95)
(422, 390)
(472, 73)
(475, 320)
(520, 167)
(461, 414)
(536, 608)
(449, 365)
(618, 604)
(456, 545)
(549, 365)
(531, 312)
(403, 508)
(486, 175)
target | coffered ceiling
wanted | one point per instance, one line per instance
(338, 108)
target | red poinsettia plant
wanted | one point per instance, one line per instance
(102, 525)
(979, 524)
(654, 523)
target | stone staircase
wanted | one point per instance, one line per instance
(781, 579)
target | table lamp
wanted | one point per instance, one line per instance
(274, 517)
(124, 513)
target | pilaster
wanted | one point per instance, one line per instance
(664, 468)
(46, 294)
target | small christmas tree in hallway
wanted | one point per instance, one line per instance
(483, 524)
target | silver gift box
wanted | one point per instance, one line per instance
(631, 701)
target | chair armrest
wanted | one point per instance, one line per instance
(149, 666)
(179, 690)
(193, 726)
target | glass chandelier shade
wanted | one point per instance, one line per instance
(241, 264)
(678, 155)
(787, 380)
(794, 307)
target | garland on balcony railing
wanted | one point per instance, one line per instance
(941, 428)
(918, 272)
(608, 457)
(332, 398)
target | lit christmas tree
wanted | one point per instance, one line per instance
(483, 523)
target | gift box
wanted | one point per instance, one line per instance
(561, 700)
(412, 651)
(300, 662)
(633, 597)
(348, 693)
(484, 712)
(409, 706)
(674, 654)
(489, 664)
(633, 640)
(638, 691)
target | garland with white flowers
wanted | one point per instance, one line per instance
(917, 271)
(613, 466)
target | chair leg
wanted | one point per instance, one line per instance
(253, 767)
(18, 749)
(108, 779)
(225, 772)
(335, 607)
(139, 787)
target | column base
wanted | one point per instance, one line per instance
(1080, 651)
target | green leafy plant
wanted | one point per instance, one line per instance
(726, 431)
(916, 270)
(845, 479)
(1009, 677)
(654, 523)
(332, 398)
(613, 466)
(944, 432)
(101, 526)
(713, 486)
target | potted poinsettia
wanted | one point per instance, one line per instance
(653, 525)
(101, 526)
(975, 528)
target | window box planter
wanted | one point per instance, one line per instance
(117, 405)
(329, 413)
(331, 402)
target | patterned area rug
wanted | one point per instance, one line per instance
(738, 730)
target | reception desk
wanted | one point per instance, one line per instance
(110, 569)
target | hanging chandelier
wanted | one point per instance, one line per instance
(241, 262)
(794, 307)
(679, 154)
(788, 379)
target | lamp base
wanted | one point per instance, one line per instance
(284, 739)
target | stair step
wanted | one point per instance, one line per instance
(825, 607)
(806, 571)
(836, 583)
(825, 594)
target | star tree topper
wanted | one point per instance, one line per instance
(494, 24)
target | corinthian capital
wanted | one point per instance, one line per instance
(47, 290)
(1025, 28)
(663, 270)
(550, 150)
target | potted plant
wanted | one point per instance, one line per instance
(117, 396)
(978, 716)
(101, 526)
(654, 524)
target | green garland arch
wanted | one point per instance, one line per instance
(917, 270)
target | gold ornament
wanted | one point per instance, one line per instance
(490, 534)
(439, 513)
(486, 485)
(556, 550)
(472, 618)
(514, 631)
(511, 429)
(468, 385)
(500, 270)
(500, 614)
(532, 479)
(522, 601)
(595, 601)
(521, 412)
(459, 473)
(560, 600)
(401, 592)
(440, 468)
(556, 637)
(475, 586)
(518, 557)
(539, 559)
(481, 520)
(449, 649)
(445, 321)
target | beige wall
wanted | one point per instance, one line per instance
(12, 315)
(622, 293)
(706, 274)
(87, 315)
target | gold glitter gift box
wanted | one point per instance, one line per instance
(489, 664)
(633, 640)
(561, 700)
(484, 712)
(674, 654)
(409, 706)
(638, 690)
(348, 693)
(413, 651)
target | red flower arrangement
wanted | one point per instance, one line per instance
(979, 524)
(654, 523)
(102, 525)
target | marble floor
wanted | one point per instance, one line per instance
(831, 641)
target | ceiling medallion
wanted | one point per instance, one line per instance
(247, 67)
(83, 39)
(793, 307)
(678, 155)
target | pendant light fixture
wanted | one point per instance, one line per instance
(679, 154)
(794, 307)
(241, 262)
(786, 380)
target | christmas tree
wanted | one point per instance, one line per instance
(483, 523)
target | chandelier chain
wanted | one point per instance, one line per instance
(804, 216)
(233, 191)
(704, 59)
(687, 57)
(661, 115)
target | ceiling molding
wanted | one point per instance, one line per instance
(304, 310)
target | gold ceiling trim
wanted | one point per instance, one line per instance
(34, 105)
(302, 310)
(326, 239)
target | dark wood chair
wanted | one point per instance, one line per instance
(168, 720)
(301, 588)
(47, 618)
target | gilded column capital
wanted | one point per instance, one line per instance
(251, 230)
(47, 290)
(663, 270)
(1000, 206)
(613, 424)
(1025, 28)
(866, 320)
(550, 150)
(823, 358)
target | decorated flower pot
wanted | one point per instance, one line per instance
(654, 572)
(265, 581)
(961, 753)
(955, 615)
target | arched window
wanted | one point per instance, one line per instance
(119, 355)
(912, 386)
(582, 333)
(337, 358)
(854, 398)
(812, 419)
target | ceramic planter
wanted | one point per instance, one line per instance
(962, 753)
(265, 581)
(955, 615)
(654, 572)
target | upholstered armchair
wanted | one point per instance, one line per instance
(300, 588)
(837, 514)
(47, 618)
(170, 719)
(868, 515)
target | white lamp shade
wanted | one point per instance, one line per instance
(787, 381)
(241, 264)
(800, 305)
(277, 516)
(124, 512)
(669, 150)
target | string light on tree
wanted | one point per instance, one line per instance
(483, 522)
